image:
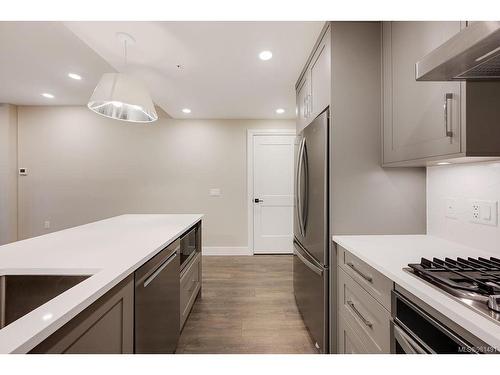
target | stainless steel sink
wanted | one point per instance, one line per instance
(21, 294)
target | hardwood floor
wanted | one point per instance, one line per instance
(247, 306)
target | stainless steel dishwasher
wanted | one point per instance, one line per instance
(157, 302)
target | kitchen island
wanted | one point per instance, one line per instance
(108, 251)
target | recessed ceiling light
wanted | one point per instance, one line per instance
(280, 111)
(265, 55)
(443, 163)
(47, 95)
(186, 110)
(75, 76)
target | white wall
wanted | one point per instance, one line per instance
(463, 182)
(83, 167)
(8, 173)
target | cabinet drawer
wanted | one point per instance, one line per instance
(190, 286)
(376, 284)
(349, 340)
(364, 314)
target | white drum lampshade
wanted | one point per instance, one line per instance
(122, 97)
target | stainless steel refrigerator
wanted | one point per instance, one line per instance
(310, 261)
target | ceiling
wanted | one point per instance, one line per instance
(36, 57)
(220, 74)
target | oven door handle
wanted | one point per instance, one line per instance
(409, 345)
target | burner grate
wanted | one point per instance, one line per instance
(474, 275)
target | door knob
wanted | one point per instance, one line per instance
(257, 200)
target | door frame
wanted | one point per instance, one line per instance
(250, 134)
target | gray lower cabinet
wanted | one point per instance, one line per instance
(105, 327)
(367, 317)
(424, 122)
(190, 287)
(363, 306)
(349, 341)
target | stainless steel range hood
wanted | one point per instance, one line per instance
(472, 54)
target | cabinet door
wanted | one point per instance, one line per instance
(105, 327)
(303, 96)
(349, 341)
(320, 77)
(414, 125)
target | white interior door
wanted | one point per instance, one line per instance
(273, 168)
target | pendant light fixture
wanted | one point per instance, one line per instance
(122, 97)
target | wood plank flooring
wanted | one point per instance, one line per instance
(247, 306)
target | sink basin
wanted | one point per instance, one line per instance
(21, 294)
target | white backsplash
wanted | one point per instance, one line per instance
(463, 183)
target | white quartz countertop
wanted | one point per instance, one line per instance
(109, 250)
(389, 254)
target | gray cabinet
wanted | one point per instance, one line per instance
(368, 318)
(363, 306)
(349, 341)
(424, 122)
(105, 327)
(303, 95)
(414, 124)
(314, 84)
(320, 77)
(190, 287)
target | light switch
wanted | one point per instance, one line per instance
(451, 208)
(486, 213)
(214, 192)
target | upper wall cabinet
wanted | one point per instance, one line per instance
(424, 122)
(303, 94)
(313, 88)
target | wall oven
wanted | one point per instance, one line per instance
(417, 329)
(190, 245)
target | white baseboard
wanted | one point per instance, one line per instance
(225, 250)
(273, 252)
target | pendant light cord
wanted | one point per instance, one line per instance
(125, 52)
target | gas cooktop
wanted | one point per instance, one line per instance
(474, 282)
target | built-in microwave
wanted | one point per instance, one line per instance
(190, 245)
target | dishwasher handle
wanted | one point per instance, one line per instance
(409, 345)
(153, 276)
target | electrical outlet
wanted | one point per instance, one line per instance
(484, 212)
(46, 224)
(476, 208)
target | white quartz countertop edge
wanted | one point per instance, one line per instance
(108, 250)
(390, 254)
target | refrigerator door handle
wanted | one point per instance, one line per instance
(307, 263)
(298, 195)
(305, 198)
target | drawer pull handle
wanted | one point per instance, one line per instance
(447, 98)
(360, 316)
(366, 277)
